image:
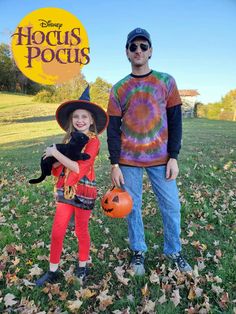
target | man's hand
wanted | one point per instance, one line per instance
(117, 176)
(172, 169)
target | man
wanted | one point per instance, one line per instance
(144, 132)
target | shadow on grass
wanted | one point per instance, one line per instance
(32, 119)
(25, 144)
(26, 154)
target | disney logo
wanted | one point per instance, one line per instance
(49, 23)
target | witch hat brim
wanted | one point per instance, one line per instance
(64, 111)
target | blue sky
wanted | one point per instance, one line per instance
(193, 40)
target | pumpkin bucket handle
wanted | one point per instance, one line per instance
(121, 187)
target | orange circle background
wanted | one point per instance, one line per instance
(52, 72)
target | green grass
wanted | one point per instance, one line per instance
(207, 190)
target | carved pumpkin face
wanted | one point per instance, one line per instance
(116, 203)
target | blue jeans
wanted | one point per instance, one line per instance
(166, 193)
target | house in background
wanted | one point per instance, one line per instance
(189, 100)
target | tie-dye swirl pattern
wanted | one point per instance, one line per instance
(142, 103)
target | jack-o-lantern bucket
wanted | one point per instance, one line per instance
(116, 203)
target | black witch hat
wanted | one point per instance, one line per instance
(64, 110)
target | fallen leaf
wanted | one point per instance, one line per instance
(190, 233)
(27, 307)
(119, 271)
(29, 262)
(35, 270)
(217, 279)
(201, 265)
(16, 261)
(126, 311)
(217, 289)
(198, 292)
(155, 247)
(149, 307)
(2, 219)
(130, 298)
(209, 227)
(166, 287)
(38, 244)
(224, 300)
(195, 272)
(55, 289)
(145, 290)
(74, 305)
(180, 277)
(63, 295)
(184, 241)
(104, 300)
(154, 278)
(24, 200)
(191, 310)
(27, 283)
(69, 274)
(3, 182)
(215, 259)
(28, 224)
(175, 298)
(42, 257)
(227, 165)
(162, 299)
(85, 293)
(10, 249)
(11, 278)
(199, 246)
(9, 300)
(191, 294)
(218, 253)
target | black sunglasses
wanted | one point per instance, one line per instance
(133, 47)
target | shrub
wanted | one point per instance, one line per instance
(44, 96)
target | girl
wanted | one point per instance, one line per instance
(75, 186)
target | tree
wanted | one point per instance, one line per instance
(99, 92)
(11, 78)
(229, 99)
(229, 103)
(71, 89)
(199, 110)
(6, 68)
(66, 91)
(223, 110)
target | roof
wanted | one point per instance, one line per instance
(188, 92)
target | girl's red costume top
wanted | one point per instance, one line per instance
(79, 189)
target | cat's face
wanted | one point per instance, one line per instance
(79, 137)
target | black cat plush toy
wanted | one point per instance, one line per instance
(71, 150)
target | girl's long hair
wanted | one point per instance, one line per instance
(70, 128)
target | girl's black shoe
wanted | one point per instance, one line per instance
(82, 273)
(50, 276)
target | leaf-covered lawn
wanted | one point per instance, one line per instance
(207, 191)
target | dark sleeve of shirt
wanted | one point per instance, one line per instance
(174, 120)
(114, 138)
